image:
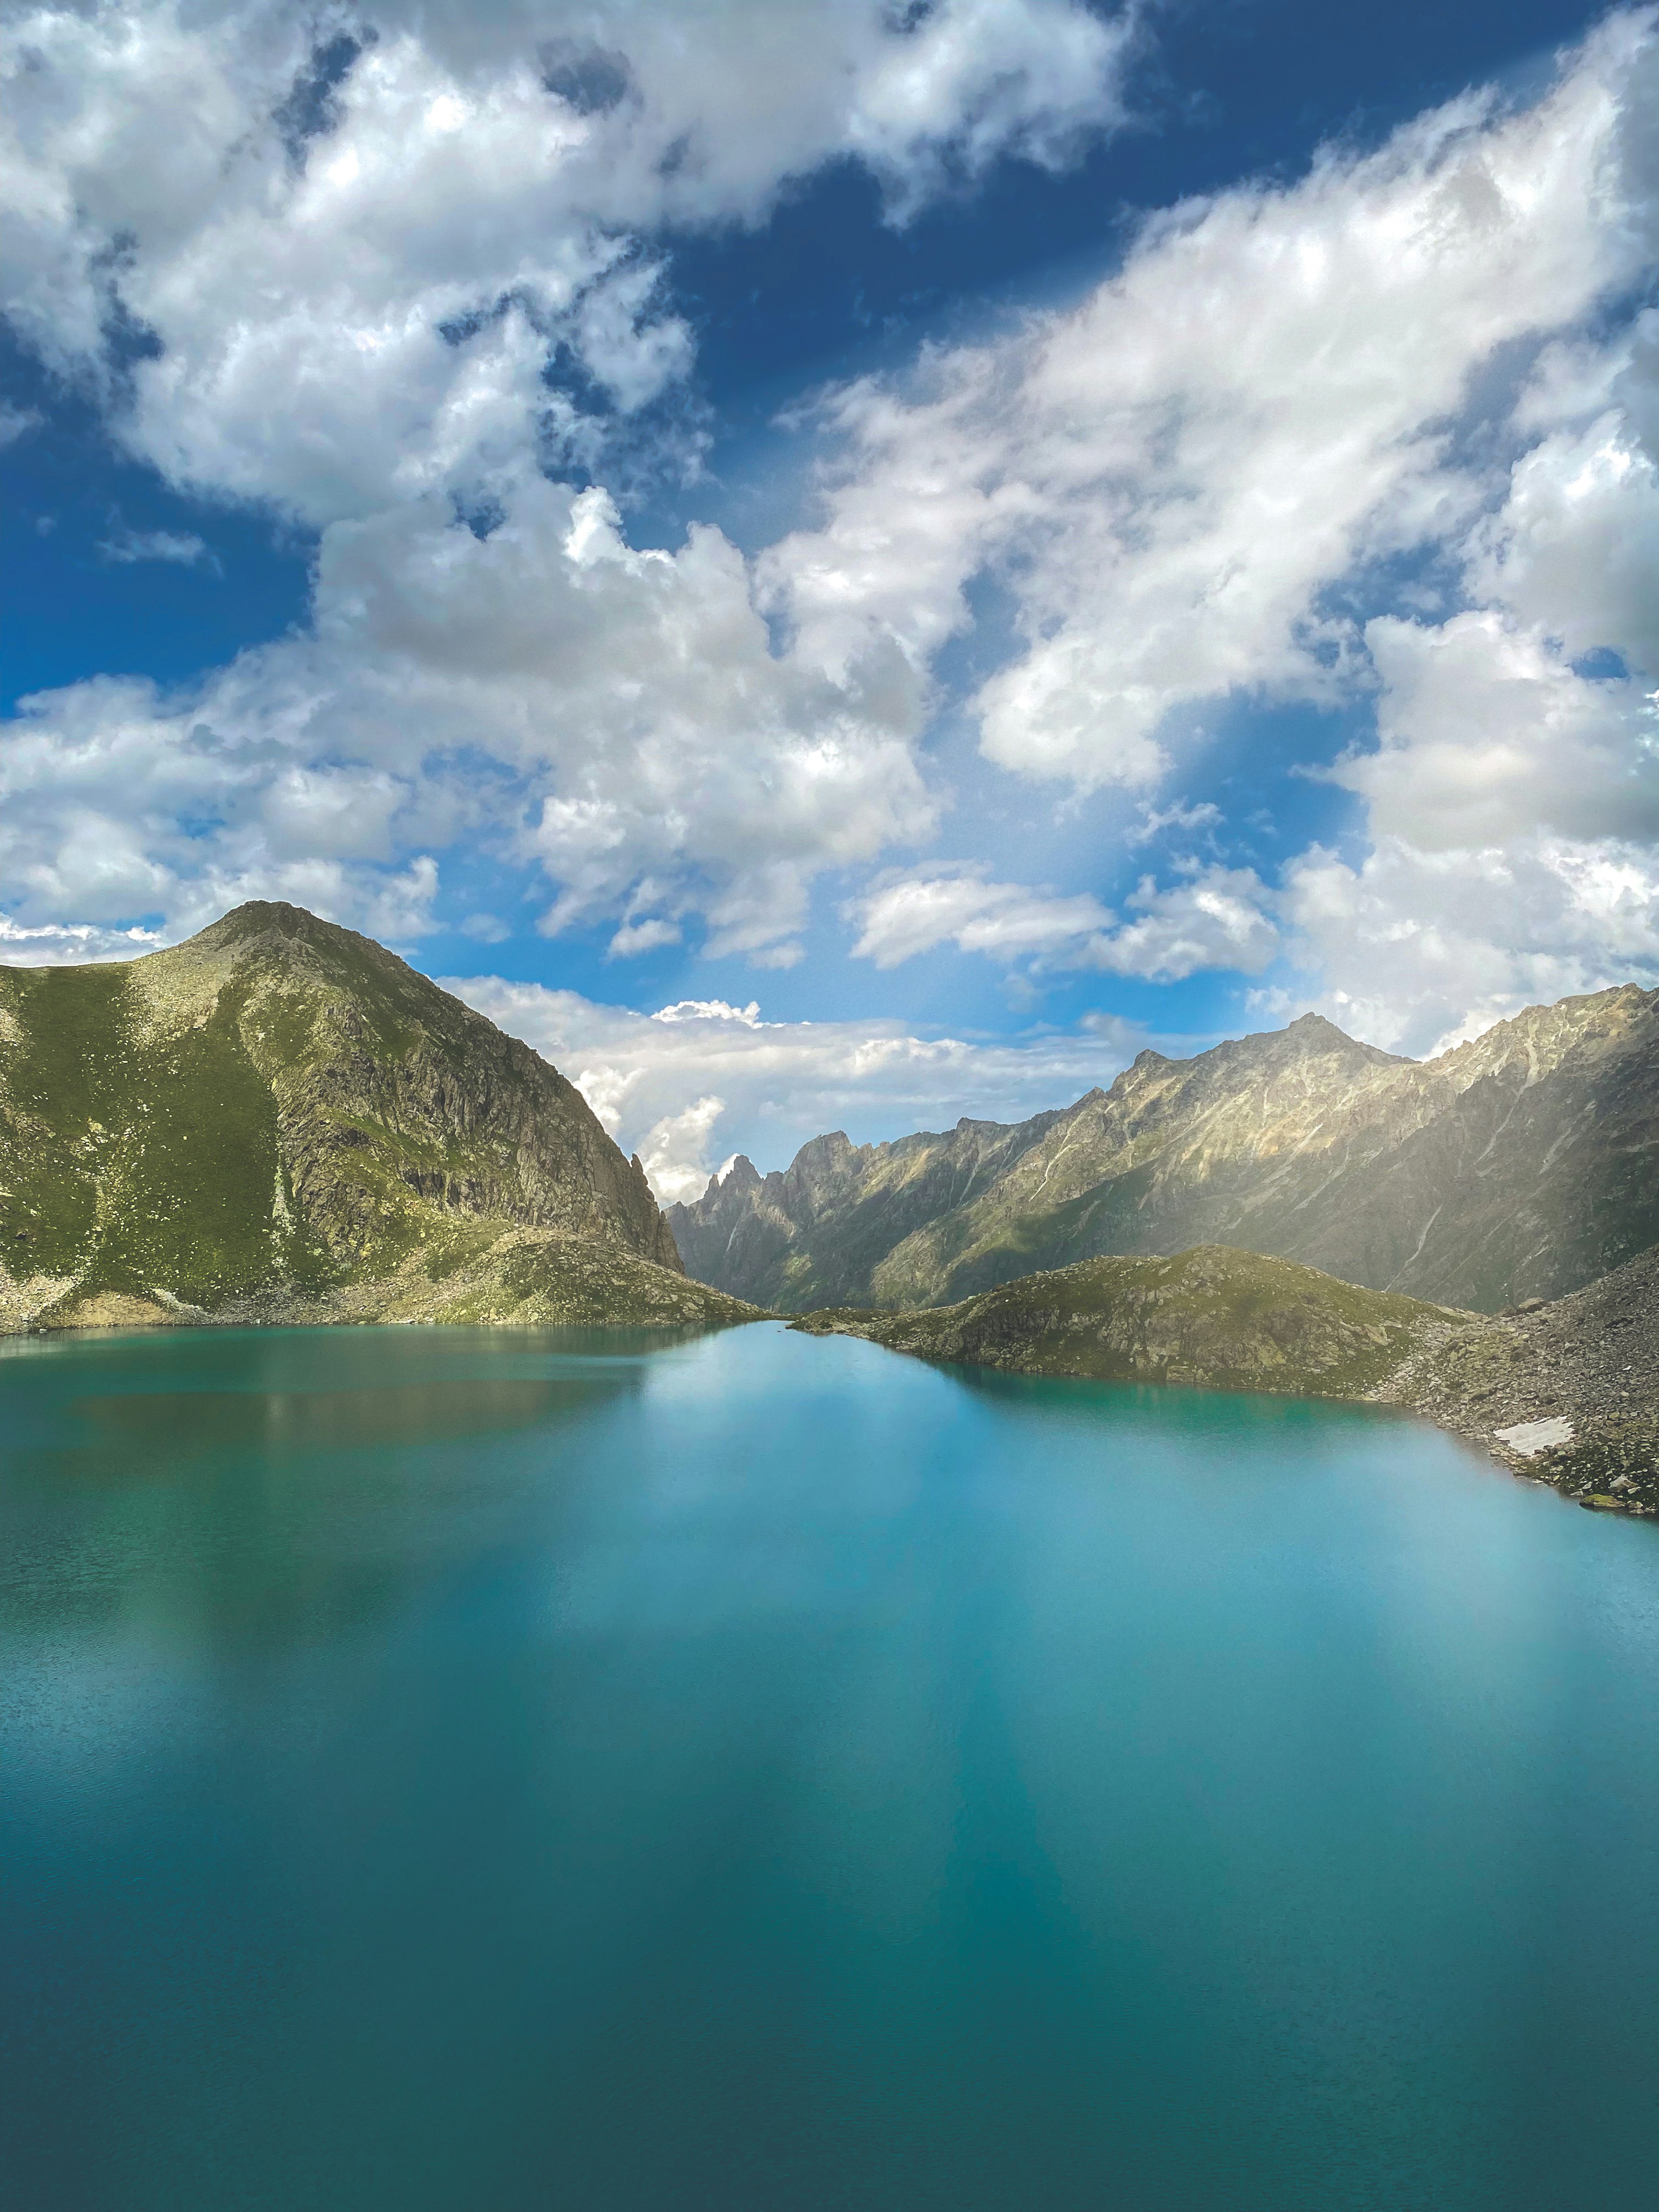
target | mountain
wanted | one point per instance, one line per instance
(280, 1120)
(1523, 1164)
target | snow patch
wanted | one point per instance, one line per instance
(1528, 1439)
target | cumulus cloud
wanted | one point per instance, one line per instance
(376, 278)
(1198, 485)
(1512, 807)
(1170, 476)
(1388, 433)
(548, 691)
(337, 274)
(1210, 917)
(1486, 734)
(675, 1152)
(765, 1087)
(1419, 949)
(1573, 552)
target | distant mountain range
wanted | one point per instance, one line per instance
(279, 1119)
(1521, 1165)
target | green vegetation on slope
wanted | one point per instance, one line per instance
(1213, 1318)
(282, 1110)
(132, 1157)
(535, 1277)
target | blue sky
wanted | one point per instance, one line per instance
(936, 546)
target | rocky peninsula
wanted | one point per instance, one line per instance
(1565, 1392)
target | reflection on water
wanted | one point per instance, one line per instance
(295, 1486)
(166, 1426)
(524, 1770)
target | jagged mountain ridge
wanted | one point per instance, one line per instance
(280, 1110)
(1524, 1163)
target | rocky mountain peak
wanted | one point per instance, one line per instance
(741, 1178)
(1301, 1142)
(279, 1105)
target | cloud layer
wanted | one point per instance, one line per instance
(1384, 438)
(389, 282)
(1383, 433)
(336, 267)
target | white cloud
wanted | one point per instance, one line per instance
(765, 1087)
(1215, 917)
(549, 691)
(1574, 550)
(1211, 917)
(182, 548)
(1170, 476)
(1513, 810)
(1486, 735)
(52, 945)
(1419, 949)
(364, 313)
(675, 1150)
(1198, 485)
(913, 913)
(16, 423)
(637, 937)
(1186, 484)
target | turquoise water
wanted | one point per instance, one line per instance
(488, 1770)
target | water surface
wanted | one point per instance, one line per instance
(473, 1772)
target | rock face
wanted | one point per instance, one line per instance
(279, 1116)
(1523, 1164)
(1215, 1318)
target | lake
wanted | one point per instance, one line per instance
(490, 1770)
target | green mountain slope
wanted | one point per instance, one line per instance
(1214, 1318)
(1523, 1164)
(281, 1117)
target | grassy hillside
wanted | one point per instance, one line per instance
(281, 1112)
(1215, 1318)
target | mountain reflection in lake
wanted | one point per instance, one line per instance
(443, 1769)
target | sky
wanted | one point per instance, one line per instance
(835, 564)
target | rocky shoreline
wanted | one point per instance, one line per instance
(1564, 1393)
(1581, 1374)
